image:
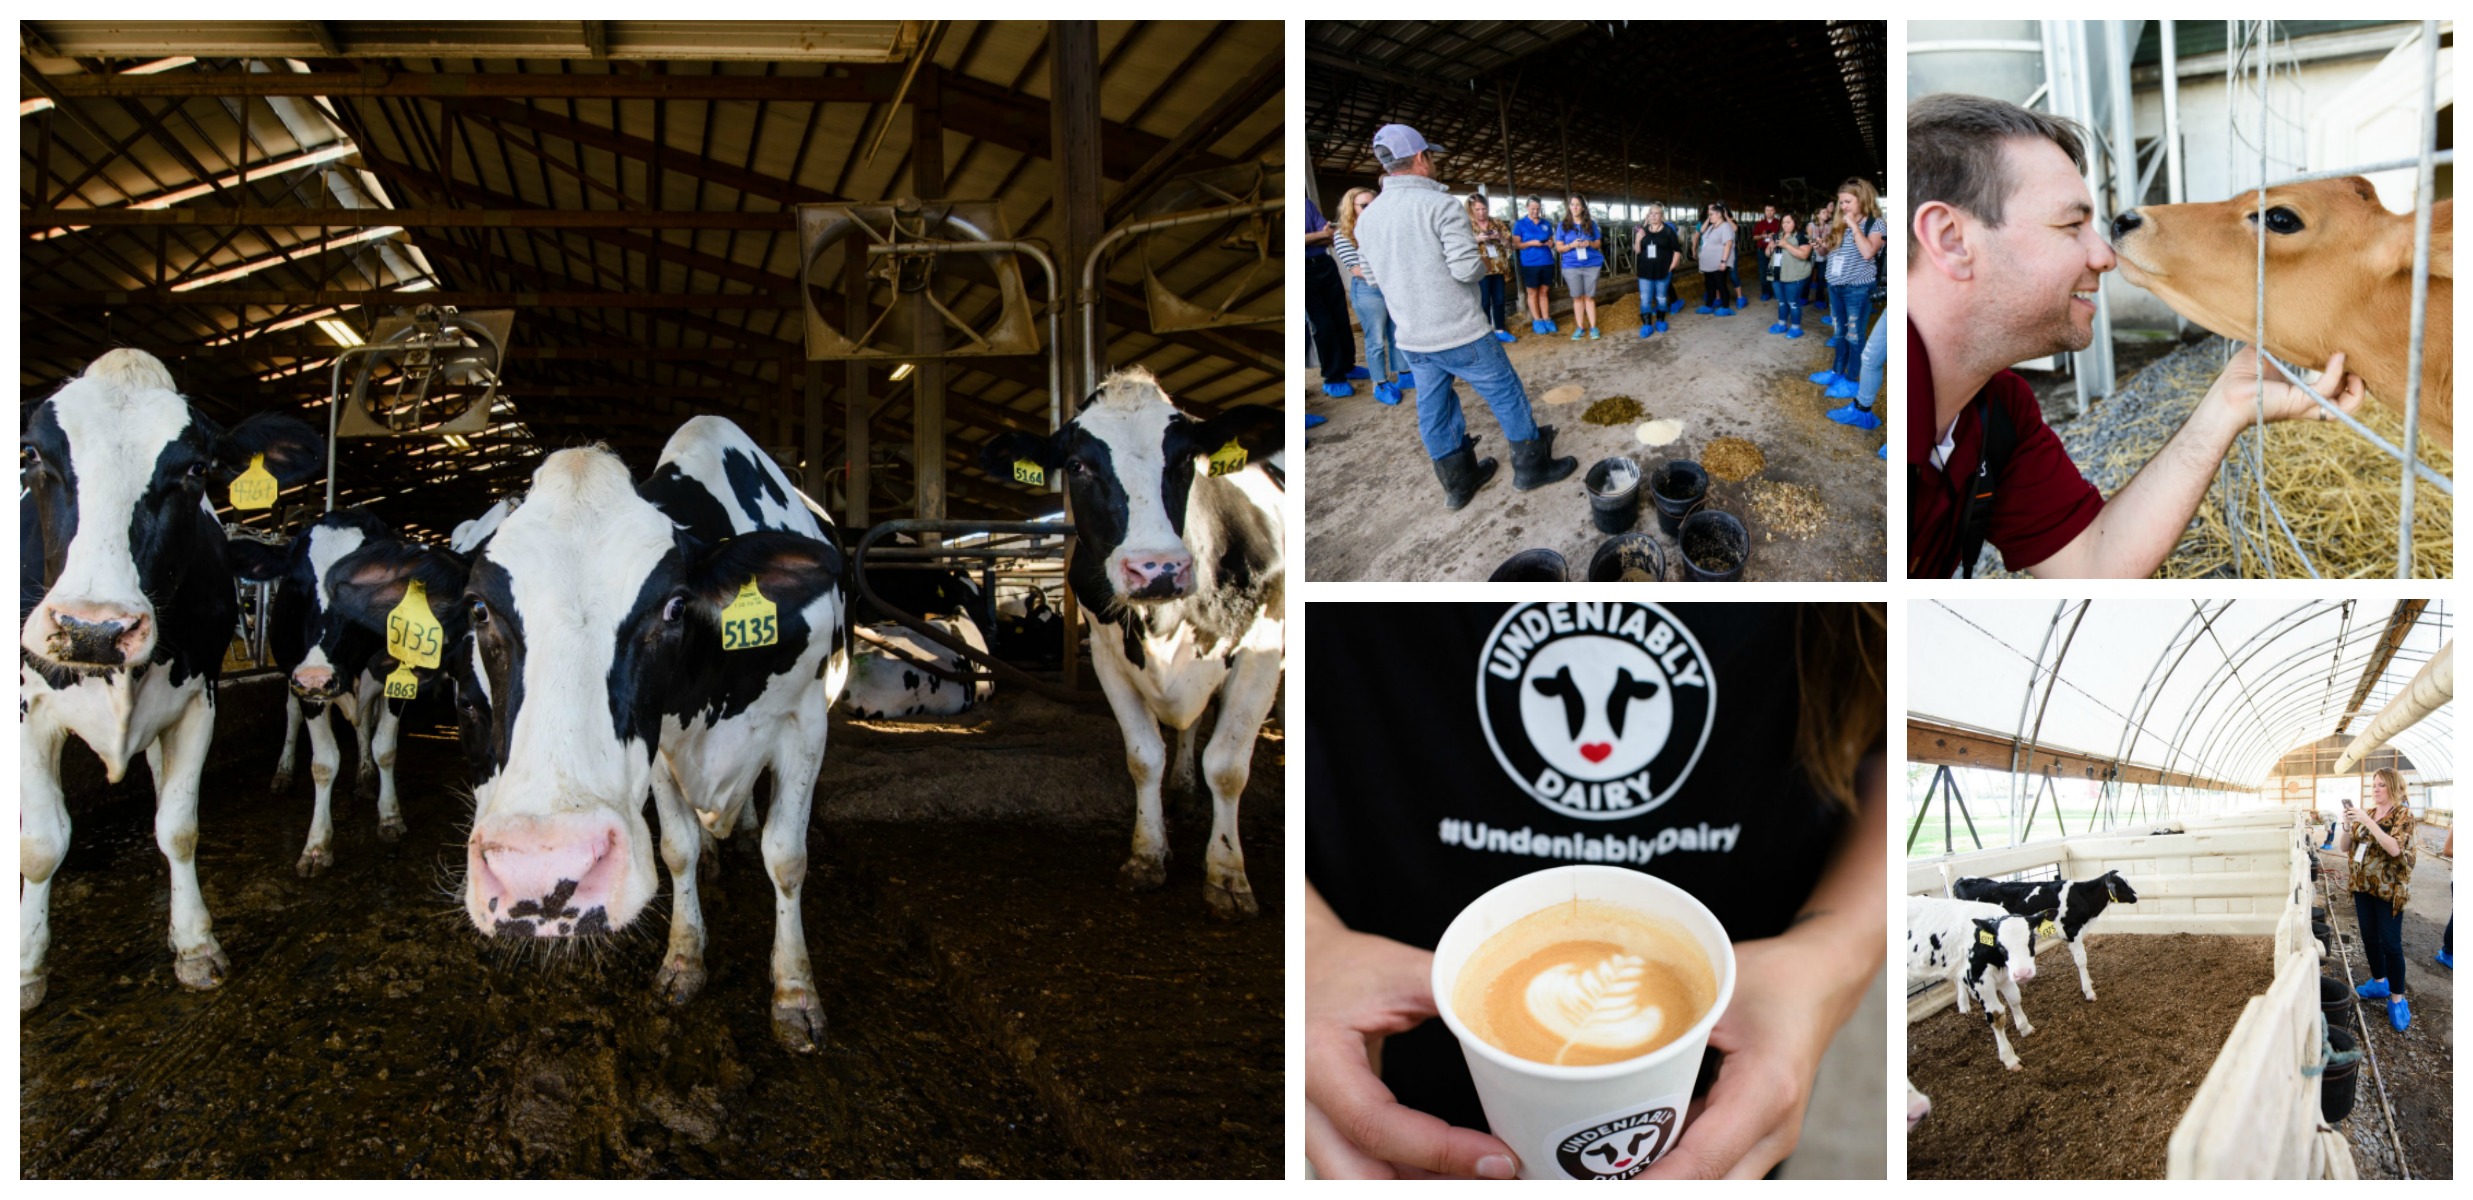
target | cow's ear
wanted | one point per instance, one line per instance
(257, 561)
(294, 452)
(368, 583)
(1258, 429)
(998, 456)
(789, 569)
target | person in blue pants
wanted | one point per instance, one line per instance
(1791, 255)
(1657, 249)
(1854, 238)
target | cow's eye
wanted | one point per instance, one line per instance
(676, 608)
(477, 610)
(1075, 466)
(29, 458)
(2283, 220)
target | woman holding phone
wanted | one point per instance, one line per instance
(2378, 843)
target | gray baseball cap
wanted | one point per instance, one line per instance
(1396, 144)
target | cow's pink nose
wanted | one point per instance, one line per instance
(98, 634)
(2022, 971)
(1165, 574)
(315, 680)
(546, 876)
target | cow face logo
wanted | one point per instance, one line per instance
(1617, 1147)
(1598, 710)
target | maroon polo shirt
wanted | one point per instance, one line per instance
(2040, 501)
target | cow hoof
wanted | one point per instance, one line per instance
(799, 1024)
(1142, 874)
(30, 994)
(203, 971)
(314, 862)
(679, 980)
(2015, 1066)
(391, 830)
(280, 784)
(1231, 904)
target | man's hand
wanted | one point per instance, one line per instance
(2248, 384)
(1358, 989)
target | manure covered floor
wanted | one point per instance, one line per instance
(2104, 1083)
(996, 1006)
(1374, 510)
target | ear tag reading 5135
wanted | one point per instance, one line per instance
(1228, 459)
(255, 487)
(749, 623)
(1026, 471)
(402, 684)
(413, 636)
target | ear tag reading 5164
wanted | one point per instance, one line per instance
(413, 636)
(1228, 459)
(255, 487)
(749, 623)
(402, 684)
(1026, 471)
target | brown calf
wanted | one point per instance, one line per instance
(2339, 277)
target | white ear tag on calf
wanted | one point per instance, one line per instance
(402, 684)
(750, 621)
(255, 487)
(413, 635)
(1228, 459)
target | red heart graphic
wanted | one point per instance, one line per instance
(1596, 751)
(1625, 1163)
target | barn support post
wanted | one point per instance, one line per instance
(811, 434)
(1511, 169)
(927, 399)
(855, 406)
(1073, 163)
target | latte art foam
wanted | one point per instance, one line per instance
(1584, 983)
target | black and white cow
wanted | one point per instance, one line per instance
(886, 679)
(125, 604)
(1982, 950)
(331, 665)
(2071, 904)
(1182, 575)
(592, 666)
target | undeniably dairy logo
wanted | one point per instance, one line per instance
(1598, 710)
(1618, 1147)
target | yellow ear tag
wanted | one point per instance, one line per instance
(1228, 459)
(749, 622)
(1983, 937)
(2048, 929)
(402, 684)
(413, 635)
(255, 487)
(1026, 471)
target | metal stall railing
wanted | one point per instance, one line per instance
(989, 668)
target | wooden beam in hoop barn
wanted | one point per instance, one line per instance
(1948, 745)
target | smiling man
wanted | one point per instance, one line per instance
(2006, 255)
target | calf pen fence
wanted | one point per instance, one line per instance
(2256, 1114)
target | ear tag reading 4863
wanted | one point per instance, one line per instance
(749, 623)
(255, 487)
(402, 684)
(413, 636)
(1228, 459)
(1026, 471)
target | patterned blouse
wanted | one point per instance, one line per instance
(1494, 242)
(2386, 876)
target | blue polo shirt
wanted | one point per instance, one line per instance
(1582, 256)
(1315, 224)
(1534, 256)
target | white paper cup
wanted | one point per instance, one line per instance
(1608, 1121)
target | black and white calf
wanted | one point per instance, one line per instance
(1181, 570)
(331, 666)
(1983, 952)
(2070, 904)
(124, 606)
(609, 642)
(886, 679)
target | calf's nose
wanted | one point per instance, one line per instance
(546, 877)
(1162, 575)
(313, 680)
(2123, 224)
(101, 635)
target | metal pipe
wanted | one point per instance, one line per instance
(2444, 158)
(1038, 252)
(998, 668)
(2423, 194)
(1090, 266)
(2124, 131)
(2432, 686)
(2172, 137)
(2429, 476)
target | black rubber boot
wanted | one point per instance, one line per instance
(1533, 464)
(1462, 473)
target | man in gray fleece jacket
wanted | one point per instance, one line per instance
(1417, 238)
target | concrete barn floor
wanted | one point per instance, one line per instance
(1374, 510)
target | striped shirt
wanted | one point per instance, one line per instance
(1847, 265)
(1346, 251)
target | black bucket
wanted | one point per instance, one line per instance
(2326, 937)
(1628, 558)
(2335, 1000)
(2335, 1087)
(1531, 566)
(1715, 546)
(2318, 914)
(1614, 495)
(1678, 488)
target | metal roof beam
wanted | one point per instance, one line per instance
(418, 218)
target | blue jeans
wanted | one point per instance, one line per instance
(1486, 368)
(1875, 356)
(2382, 940)
(1790, 302)
(1490, 297)
(1375, 317)
(1848, 306)
(1657, 296)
